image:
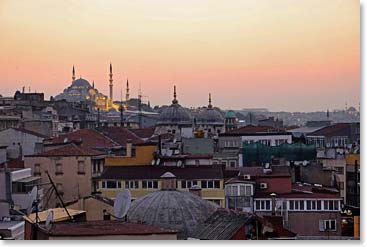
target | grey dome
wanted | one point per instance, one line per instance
(210, 116)
(177, 210)
(175, 114)
(81, 83)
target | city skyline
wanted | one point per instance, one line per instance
(307, 64)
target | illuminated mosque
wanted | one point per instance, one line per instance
(81, 90)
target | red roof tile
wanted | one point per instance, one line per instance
(120, 135)
(103, 227)
(144, 133)
(89, 138)
(338, 129)
(69, 150)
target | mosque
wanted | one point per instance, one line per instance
(81, 90)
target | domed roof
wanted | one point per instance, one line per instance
(81, 83)
(171, 209)
(230, 114)
(210, 116)
(175, 114)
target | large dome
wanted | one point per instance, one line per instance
(175, 114)
(171, 209)
(81, 83)
(210, 116)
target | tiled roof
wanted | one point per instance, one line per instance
(69, 150)
(120, 135)
(277, 171)
(164, 136)
(144, 133)
(155, 172)
(254, 130)
(304, 191)
(223, 224)
(89, 138)
(338, 129)
(103, 227)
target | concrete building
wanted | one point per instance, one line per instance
(236, 138)
(70, 167)
(142, 180)
(26, 138)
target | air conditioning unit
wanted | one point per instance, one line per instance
(263, 185)
(179, 163)
(247, 177)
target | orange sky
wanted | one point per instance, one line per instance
(294, 55)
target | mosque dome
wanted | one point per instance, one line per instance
(209, 115)
(175, 114)
(172, 209)
(230, 114)
(80, 83)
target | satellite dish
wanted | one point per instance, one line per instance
(158, 162)
(153, 162)
(65, 140)
(122, 204)
(179, 163)
(49, 220)
(31, 199)
(267, 165)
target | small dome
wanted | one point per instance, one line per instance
(178, 210)
(175, 114)
(210, 116)
(80, 83)
(168, 175)
(230, 114)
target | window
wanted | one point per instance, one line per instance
(232, 163)
(327, 225)
(197, 162)
(210, 184)
(58, 170)
(110, 184)
(263, 205)
(188, 183)
(131, 184)
(331, 205)
(37, 169)
(81, 167)
(339, 170)
(150, 184)
(341, 185)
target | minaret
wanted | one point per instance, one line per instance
(73, 77)
(127, 95)
(174, 101)
(111, 85)
(210, 106)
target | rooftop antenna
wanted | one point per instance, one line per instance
(122, 204)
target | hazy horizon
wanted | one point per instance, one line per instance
(296, 56)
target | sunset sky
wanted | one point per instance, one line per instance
(292, 55)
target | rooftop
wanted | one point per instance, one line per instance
(255, 130)
(69, 150)
(90, 139)
(59, 215)
(111, 227)
(120, 135)
(155, 172)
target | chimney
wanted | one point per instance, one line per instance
(196, 190)
(168, 181)
(129, 147)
